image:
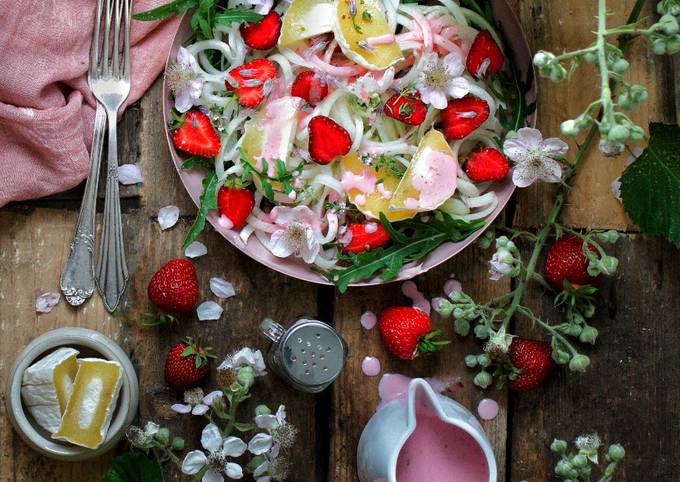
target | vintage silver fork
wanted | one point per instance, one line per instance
(110, 84)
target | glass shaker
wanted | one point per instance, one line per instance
(309, 354)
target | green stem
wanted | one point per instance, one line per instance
(601, 47)
(547, 327)
(575, 53)
(236, 399)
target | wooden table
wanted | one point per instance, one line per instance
(630, 394)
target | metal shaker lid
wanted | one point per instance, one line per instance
(313, 353)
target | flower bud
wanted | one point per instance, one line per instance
(673, 45)
(588, 310)
(669, 24)
(610, 236)
(484, 242)
(560, 357)
(481, 332)
(569, 128)
(162, 436)
(471, 361)
(588, 335)
(619, 133)
(579, 461)
(658, 46)
(483, 379)
(484, 360)
(626, 101)
(639, 93)
(616, 452)
(558, 446)
(590, 57)
(557, 73)
(620, 66)
(579, 363)
(442, 306)
(541, 59)
(458, 313)
(458, 296)
(611, 148)
(609, 264)
(245, 376)
(178, 443)
(637, 133)
(461, 327)
(573, 329)
(563, 468)
(262, 410)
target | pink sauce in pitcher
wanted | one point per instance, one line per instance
(440, 452)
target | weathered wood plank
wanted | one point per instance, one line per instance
(564, 25)
(355, 395)
(630, 393)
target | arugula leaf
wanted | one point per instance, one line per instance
(412, 240)
(173, 8)
(650, 186)
(204, 163)
(133, 467)
(232, 15)
(283, 175)
(208, 202)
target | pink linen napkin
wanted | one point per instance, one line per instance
(46, 108)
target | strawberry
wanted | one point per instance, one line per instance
(251, 80)
(406, 107)
(310, 86)
(236, 203)
(174, 287)
(365, 236)
(196, 135)
(407, 332)
(327, 140)
(486, 164)
(565, 261)
(462, 116)
(485, 57)
(264, 34)
(534, 359)
(186, 364)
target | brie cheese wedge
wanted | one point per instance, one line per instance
(46, 387)
(93, 401)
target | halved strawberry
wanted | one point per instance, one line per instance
(264, 34)
(406, 107)
(236, 203)
(486, 164)
(327, 140)
(364, 236)
(462, 116)
(485, 57)
(310, 86)
(252, 81)
(196, 135)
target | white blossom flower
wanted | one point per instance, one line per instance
(260, 444)
(245, 356)
(151, 429)
(505, 261)
(184, 80)
(534, 157)
(441, 78)
(366, 85)
(299, 233)
(282, 433)
(195, 403)
(273, 466)
(217, 458)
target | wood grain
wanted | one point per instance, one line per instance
(355, 396)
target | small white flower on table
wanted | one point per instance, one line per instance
(217, 458)
(184, 80)
(441, 78)
(535, 157)
(248, 357)
(299, 233)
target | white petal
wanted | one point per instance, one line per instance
(193, 462)
(168, 216)
(310, 249)
(550, 171)
(260, 444)
(515, 150)
(259, 365)
(554, 147)
(435, 98)
(200, 409)
(195, 249)
(458, 88)
(46, 301)
(616, 189)
(281, 414)
(523, 176)
(210, 398)
(181, 407)
(530, 137)
(212, 475)
(211, 438)
(209, 310)
(261, 469)
(266, 422)
(234, 471)
(284, 215)
(221, 288)
(263, 479)
(453, 64)
(281, 247)
(183, 101)
(129, 174)
(233, 447)
(151, 429)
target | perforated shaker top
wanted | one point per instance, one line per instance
(313, 353)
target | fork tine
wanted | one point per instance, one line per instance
(94, 48)
(115, 54)
(106, 43)
(126, 52)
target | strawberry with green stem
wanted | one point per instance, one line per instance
(187, 364)
(407, 332)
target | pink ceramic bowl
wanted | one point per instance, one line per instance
(514, 39)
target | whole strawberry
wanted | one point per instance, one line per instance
(534, 359)
(186, 364)
(407, 332)
(174, 287)
(565, 261)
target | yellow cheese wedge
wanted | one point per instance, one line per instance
(90, 408)
(46, 386)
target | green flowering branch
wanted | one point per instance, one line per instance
(578, 465)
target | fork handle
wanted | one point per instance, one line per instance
(112, 272)
(77, 278)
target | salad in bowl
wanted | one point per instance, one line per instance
(350, 137)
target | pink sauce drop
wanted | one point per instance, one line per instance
(369, 320)
(487, 409)
(370, 366)
(439, 452)
(419, 301)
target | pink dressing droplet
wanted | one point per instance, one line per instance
(452, 285)
(419, 301)
(225, 222)
(487, 409)
(368, 320)
(370, 366)
(392, 386)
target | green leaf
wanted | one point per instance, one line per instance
(204, 163)
(237, 15)
(133, 467)
(650, 186)
(164, 11)
(208, 202)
